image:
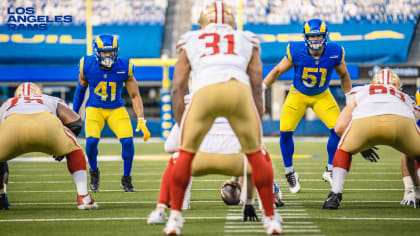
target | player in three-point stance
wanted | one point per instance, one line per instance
(34, 122)
(376, 114)
(314, 61)
(226, 81)
(105, 73)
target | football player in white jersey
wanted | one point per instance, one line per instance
(34, 122)
(226, 74)
(376, 114)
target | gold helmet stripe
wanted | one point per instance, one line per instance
(99, 42)
(307, 28)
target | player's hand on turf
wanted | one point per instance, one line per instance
(249, 213)
(141, 125)
(370, 154)
(59, 158)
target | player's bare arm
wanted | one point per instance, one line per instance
(134, 93)
(344, 77)
(345, 117)
(179, 85)
(255, 73)
(66, 115)
(82, 80)
(277, 71)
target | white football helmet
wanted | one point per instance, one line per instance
(28, 89)
(387, 76)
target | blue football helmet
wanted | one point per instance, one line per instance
(315, 27)
(106, 42)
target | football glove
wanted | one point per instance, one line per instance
(141, 125)
(59, 158)
(370, 154)
(249, 213)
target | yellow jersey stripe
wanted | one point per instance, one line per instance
(130, 68)
(289, 56)
(82, 61)
(344, 53)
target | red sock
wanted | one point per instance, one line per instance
(262, 176)
(342, 159)
(164, 193)
(181, 174)
(76, 161)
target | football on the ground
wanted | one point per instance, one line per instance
(231, 194)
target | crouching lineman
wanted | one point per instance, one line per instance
(377, 114)
(226, 80)
(34, 122)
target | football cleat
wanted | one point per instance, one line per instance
(94, 180)
(333, 201)
(293, 180)
(272, 225)
(417, 203)
(327, 176)
(85, 202)
(173, 226)
(4, 204)
(409, 197)
(126, 184)
(157, 217)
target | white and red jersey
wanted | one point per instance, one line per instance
(220, 139)
(380, 99)
(29, 105)
(217, 53)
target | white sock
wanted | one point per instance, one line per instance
(340, 175)
(175, 214)
(408, 182)
(162, 206)
(80, 178)
(289, 170)
(187, 196)
(329, 167)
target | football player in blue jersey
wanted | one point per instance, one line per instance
(105, 73)
(313, 61)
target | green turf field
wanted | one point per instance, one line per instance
(44, 199)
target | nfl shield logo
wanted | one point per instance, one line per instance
(105, 76)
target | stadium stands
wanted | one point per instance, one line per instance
(278, 12)
(104, 12)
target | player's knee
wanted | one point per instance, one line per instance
(90, 141)
(127, 147)
(333, 140)
(286, 137)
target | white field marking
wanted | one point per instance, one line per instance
(196, 218)
(283, 226)
(105, 190)
(282, 214)
(131, 202)
(284, 223)
(109, 174)
(284, 231)
(355, 172)
(355, 201)
(278, 210)
(101, 158)
(355, 180)
(356, 189)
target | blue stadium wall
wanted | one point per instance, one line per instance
(52, 55)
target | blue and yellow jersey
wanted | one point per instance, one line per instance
(105, 86)
(312, 76)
